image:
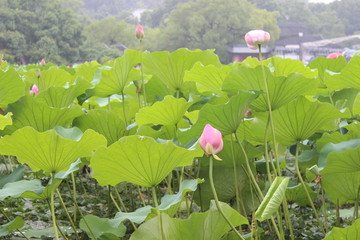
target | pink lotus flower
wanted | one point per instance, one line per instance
(139, 32)
(211, 141)
(255, 38)
(42, 62)
(334, 55)
(34, 90)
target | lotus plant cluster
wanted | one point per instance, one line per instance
(177, 145)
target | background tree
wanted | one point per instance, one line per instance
(208, 24)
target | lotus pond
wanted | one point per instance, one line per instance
(111, 151)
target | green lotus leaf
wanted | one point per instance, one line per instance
(353, 132)
(209, 225)
(11, 87)
(53, 77)
(139, 160)
(5, 120)
(16, 189)
(167, 112)
(326, 66)
(341, 176)
(272, 199)
(121, 72)
(208, 78)
(9, 227)
(104, 122)
(16, 175)
(171, 67)
(349, 76)
(101, 228)
(169, 204)
(285, 67)
(351, 232)
(253, 130)
(296, 194)
(87, 70)
(49, 151)
(281, 89)
(301, 118)
(30, 112)
(224, 117)
(60, 97)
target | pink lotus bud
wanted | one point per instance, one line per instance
(255, 38)
(42, 62)
(211, 141)
(139, 32)
(34, 90)
(334, 55)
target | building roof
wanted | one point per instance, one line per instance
(293, 34)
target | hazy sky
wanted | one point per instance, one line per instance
(322, 1)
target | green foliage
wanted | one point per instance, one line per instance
(208, 225)
(351, 232)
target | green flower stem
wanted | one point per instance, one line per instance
(120, 199)
(158, 213)
(305, 188)
(67, 213)
(266, 155)
(288, 219)
(141, 196)
(123, 107)
(252, 177)
(324, 207)
(142, 74)
(270, 112)
(217, 200)
(236, 179)
(248, 168)
(7, 218)
(53, 217)
(356, 206)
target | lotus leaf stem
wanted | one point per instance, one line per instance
(158, 213)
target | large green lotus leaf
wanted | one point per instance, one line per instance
(301, 118)
(223, 175)
(121, 73)
(5, 120)
(60, 97)
(349, 76)
(224, 117)
(101, 228)
(104, 122)
(284, 67)
(46, 193)
(341, 175)
(167, 112)
(16, 175)
(281, 89)
(87, 70)
(327, 66)
(53, 77)
(169, 204)
(352, 232)
(336, 147)
(347, 98)
(9, 227)
(208, 78)
(155, 90)
(296, 194)
(30, 112)
(16, 189)
(139, 160)
(11, 87)
(209, 225)
(48, 150)
(272, 199)
(171, 67)
(253, 130)
(353, 132)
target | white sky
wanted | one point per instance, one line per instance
(321, 1)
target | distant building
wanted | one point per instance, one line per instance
(240, 52)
